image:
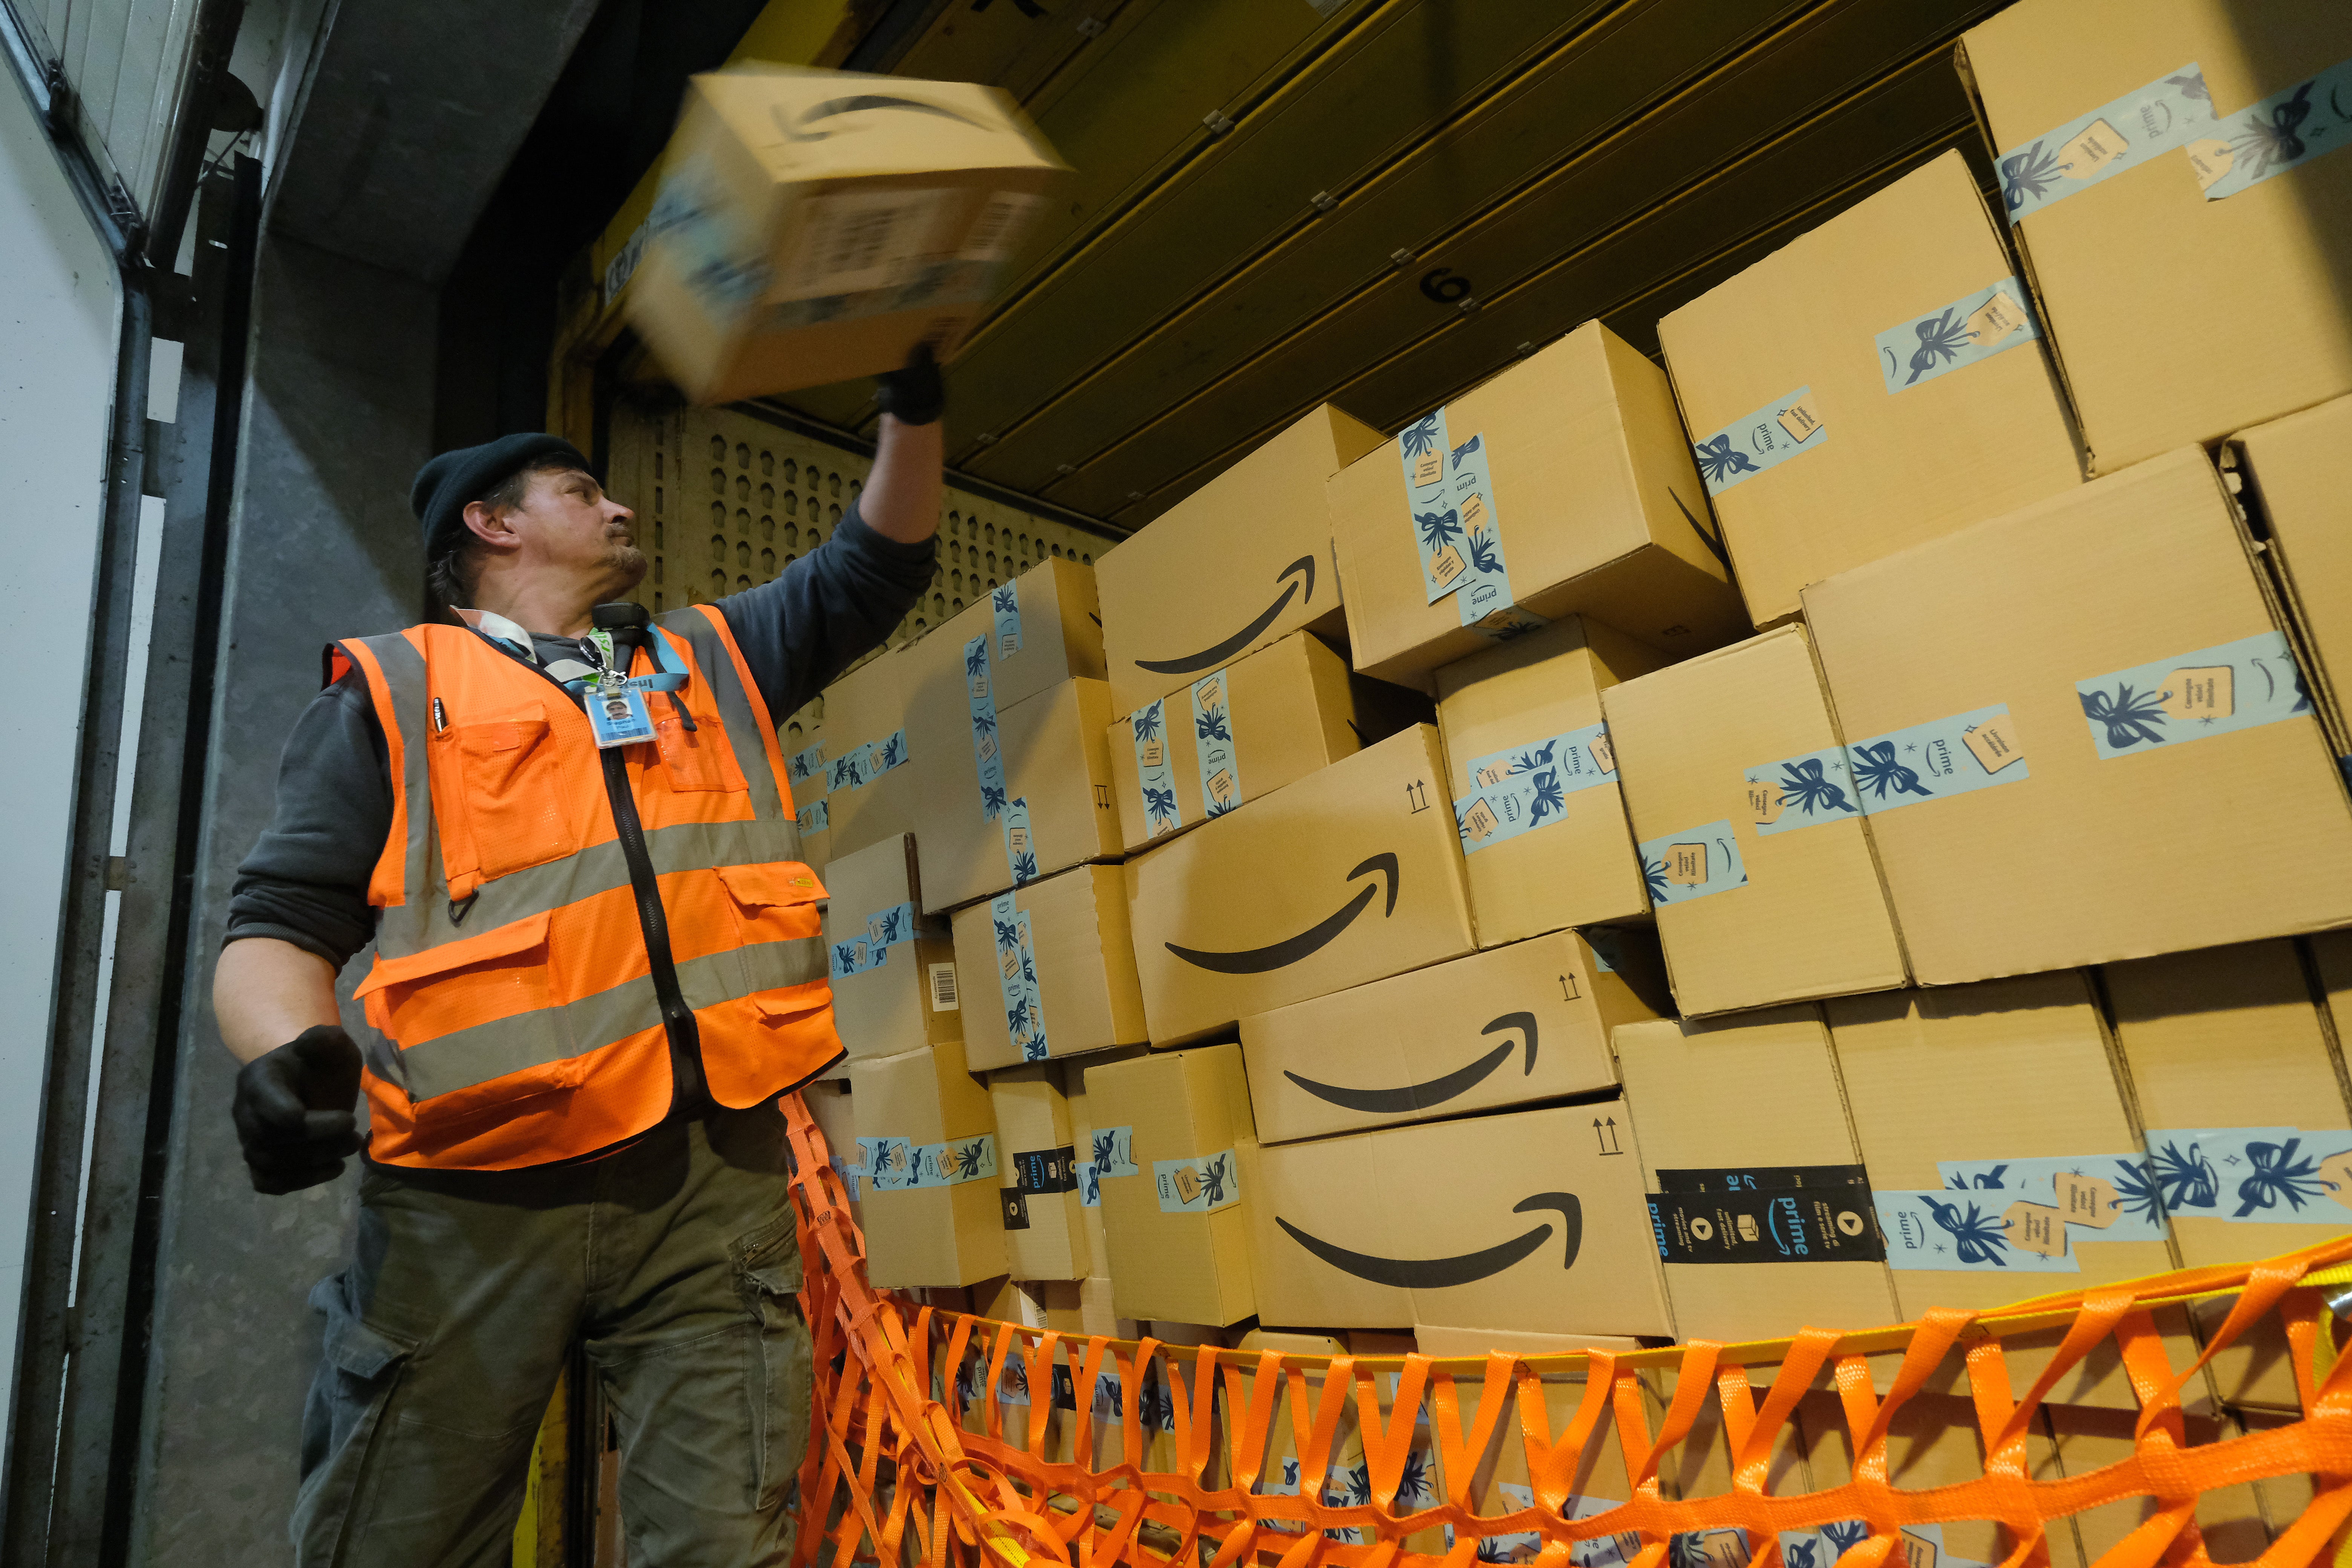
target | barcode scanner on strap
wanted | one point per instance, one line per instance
(630, 627)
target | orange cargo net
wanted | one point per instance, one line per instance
(914, 1457)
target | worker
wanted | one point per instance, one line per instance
(598, 967)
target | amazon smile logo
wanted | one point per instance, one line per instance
(1313, 940)
(1210, 658)
(1463, 1268)
(863, 101)
(1436, 1090)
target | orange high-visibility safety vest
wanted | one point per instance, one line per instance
(515, 1008)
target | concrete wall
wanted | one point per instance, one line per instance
(59, 315)
(338, 416)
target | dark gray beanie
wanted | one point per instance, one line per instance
(445, 484)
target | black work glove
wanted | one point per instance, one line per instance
(913, 394)
(294, 1110)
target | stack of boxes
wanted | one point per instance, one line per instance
(1845, 823)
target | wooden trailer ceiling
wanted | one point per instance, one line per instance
(1383, 202)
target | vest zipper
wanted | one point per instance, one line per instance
(689, 1090)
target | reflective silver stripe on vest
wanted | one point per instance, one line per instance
(466, 1058)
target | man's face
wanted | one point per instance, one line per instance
(568, 523)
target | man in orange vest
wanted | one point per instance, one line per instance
(567, 829)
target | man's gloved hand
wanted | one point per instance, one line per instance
(913, 394)
(294, 1110)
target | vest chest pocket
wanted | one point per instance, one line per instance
(697, 760)
(499, 793)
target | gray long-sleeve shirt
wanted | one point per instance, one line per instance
(306, 880)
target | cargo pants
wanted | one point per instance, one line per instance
(673, 1261)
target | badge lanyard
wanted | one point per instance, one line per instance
(617, 715)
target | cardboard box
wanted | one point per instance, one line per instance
(1534, 783)
(1046, 630)
(1439, 1342)
(1055, 959)
(2290, 466)
(1172, 1141)
(1501, 1483)
(871, 794)
(1562, 485)
(2102, 133)
(1902, 325)
(1241, 563)
(927, 1139)
(1743, 1122)
(1349, 876)
(1531, 1220)
(1750, 829)
(1346, 1480)
(1241, 732)
(1949, 1084)
(1045, 1231)
(2111, 655)
(815, 225)
(828, 1103)
(1082, 1133)
(2232, 1043)
(1505, 1027)
(1056, 812)
(894, 977)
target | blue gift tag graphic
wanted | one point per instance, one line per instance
(1960, 1233)
(807, 764)
(1800, 791)
(2194, 696)
(2169, 112)
(1680, 867)
(815, 817)
(884, 755)
(1020, 845)
(884, 929)
(1004, 604)
(1457, 529)
(2285, 131)
(1987, 322)
(1155, 773)
(1582, 758)
(1200, 1185)
(1016, 978)
(2136, 1212)
(1967, 752)
(1784, 428)
(2252, 1176)
(1213, 747)
(987, 759)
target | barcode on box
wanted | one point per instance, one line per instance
(943, 989)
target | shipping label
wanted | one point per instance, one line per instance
(2194, 696)
(944, 996)
(1110, 1151)
(1016, 977)
(2253, 1175)
(1200, 1185)
(1004, 604)
(1155, 771)
(1456, 531)
(1020, 842)
(2285, 131)
(980, 691)
(1213, 748)
(1799, 792)
(1689, 865)
(1764, 439)
(2171, 111)
(899, 1165)
(2100, 1198)
(1972, 1233)
(861, 240)
(1971, 750)
(807, 766)
(815, 817)
(1766, 1224)
(1964, 331)
(1003, 219)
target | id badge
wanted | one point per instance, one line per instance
(618, 718)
